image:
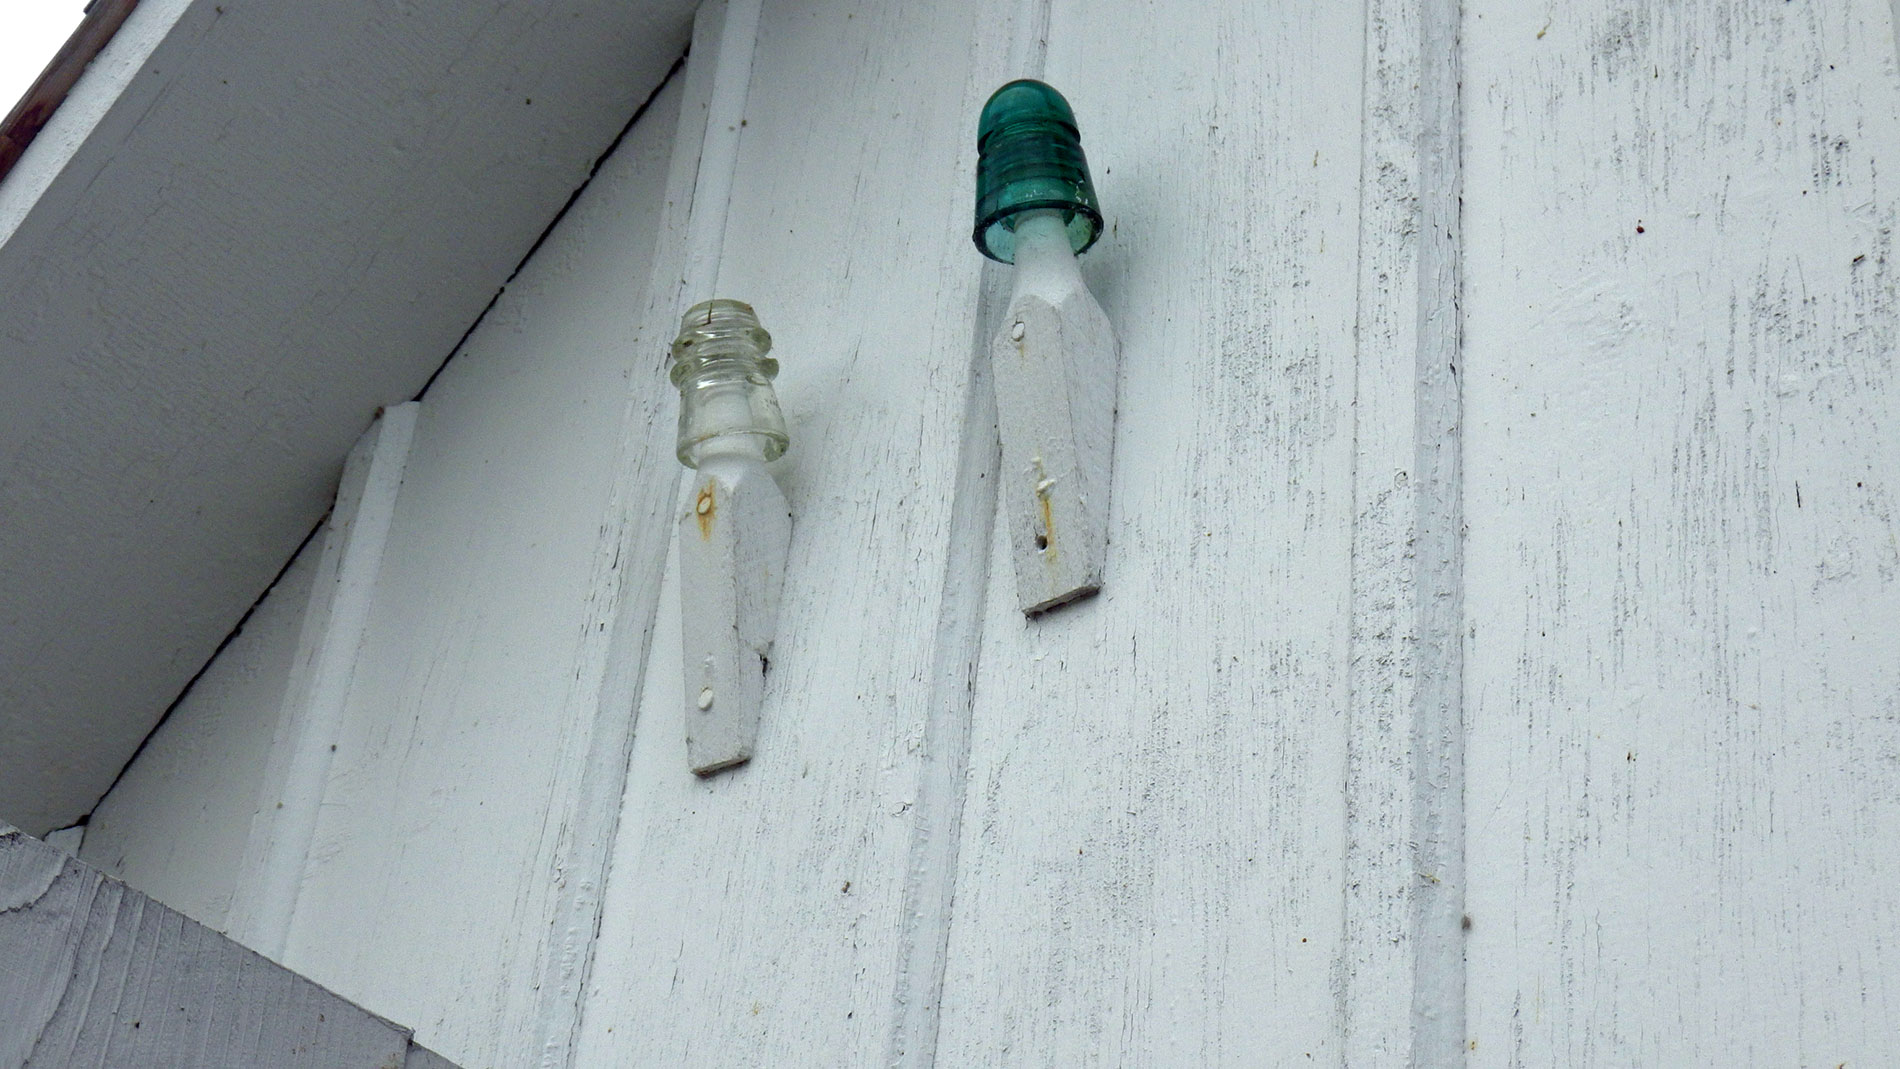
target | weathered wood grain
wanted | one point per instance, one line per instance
(1683, 578)
(1401, 972)
(1152, 859)
(1435, 772)
(97, 974)
(757, 918)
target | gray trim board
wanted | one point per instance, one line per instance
(94, 973)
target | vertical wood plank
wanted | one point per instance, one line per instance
(1401, 694)
(1151, 864)
(758, 917)
(1683, 573)
(1437, 761)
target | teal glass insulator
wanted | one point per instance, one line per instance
(1029, 158)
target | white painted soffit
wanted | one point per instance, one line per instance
(251, 224)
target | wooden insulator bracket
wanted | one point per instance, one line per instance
(734, 536)
(1055, 362)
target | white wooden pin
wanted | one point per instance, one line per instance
(1055, 362)
(734, 536)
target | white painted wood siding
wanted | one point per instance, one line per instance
(176, 824)
(1150, 862)
(473, 762)
(1457, 571)
(1683, 567)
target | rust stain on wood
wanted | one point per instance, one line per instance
(705, 508)
(1046, 538)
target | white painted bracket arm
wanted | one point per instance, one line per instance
(1055, 363)
(734, 536)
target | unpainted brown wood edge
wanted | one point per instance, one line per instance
(28, 117)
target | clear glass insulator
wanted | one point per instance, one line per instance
(727, 404)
